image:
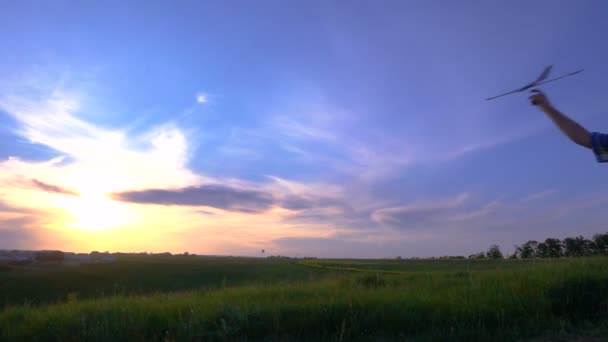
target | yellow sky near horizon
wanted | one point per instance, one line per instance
(69, 200)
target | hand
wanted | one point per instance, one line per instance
(538, 98)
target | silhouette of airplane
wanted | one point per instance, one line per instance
(539, 80)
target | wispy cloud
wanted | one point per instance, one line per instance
(300, 130)
(22, 227)
(421, 213)
(115, 172)
(52, 188)
(141, 187)
(539, 195)
(94, 162)
(108, 156)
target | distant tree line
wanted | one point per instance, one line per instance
(577, 246)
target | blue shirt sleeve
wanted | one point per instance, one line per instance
(599, 144)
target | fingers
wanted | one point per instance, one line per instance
(533, 97)
(537, 97)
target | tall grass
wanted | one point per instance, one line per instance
(137, 275)
(498, 304)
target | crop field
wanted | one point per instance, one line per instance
(193, 298)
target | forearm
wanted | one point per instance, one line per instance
(569, 127)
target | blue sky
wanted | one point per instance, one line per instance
(329, 128)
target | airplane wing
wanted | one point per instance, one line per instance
(501, 95)
(540, 80)
(527, 86)
(543, 75)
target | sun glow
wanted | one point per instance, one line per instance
(67, 201)
(94, 212)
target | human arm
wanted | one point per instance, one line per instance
(569, 127)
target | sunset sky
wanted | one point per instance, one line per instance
(305, 128)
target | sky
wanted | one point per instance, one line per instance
(304, 128)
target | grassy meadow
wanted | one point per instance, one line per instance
(188, 298)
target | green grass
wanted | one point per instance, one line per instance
(132, 275)
(282, 300)
(428, 265)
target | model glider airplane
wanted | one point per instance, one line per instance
(540, 80)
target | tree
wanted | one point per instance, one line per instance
(579, 246)
(601, 243)
(574, 246)
(494, 252)
(555, 247)
(542, 250)
(589, 248)
(571, 247)
(480, 255)
(527, 250)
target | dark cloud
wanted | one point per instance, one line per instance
(205, 212)
(227, 198)
(216, 196)
(52, 188)
(293, 202)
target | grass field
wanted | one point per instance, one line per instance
(233, 299)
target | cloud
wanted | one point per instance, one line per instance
(294, 202)
(299, 130)
(206, 212)
(113, 168)
(19, 227)
(505, 221)
(539, 195)
(216, 196)
(421, 213)
(376, 244)
(230, 199)
(94, 161)
(52, 188)
(9, 208)
(17, 233)
(109, 156)
(201, 98)
(356, 188)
